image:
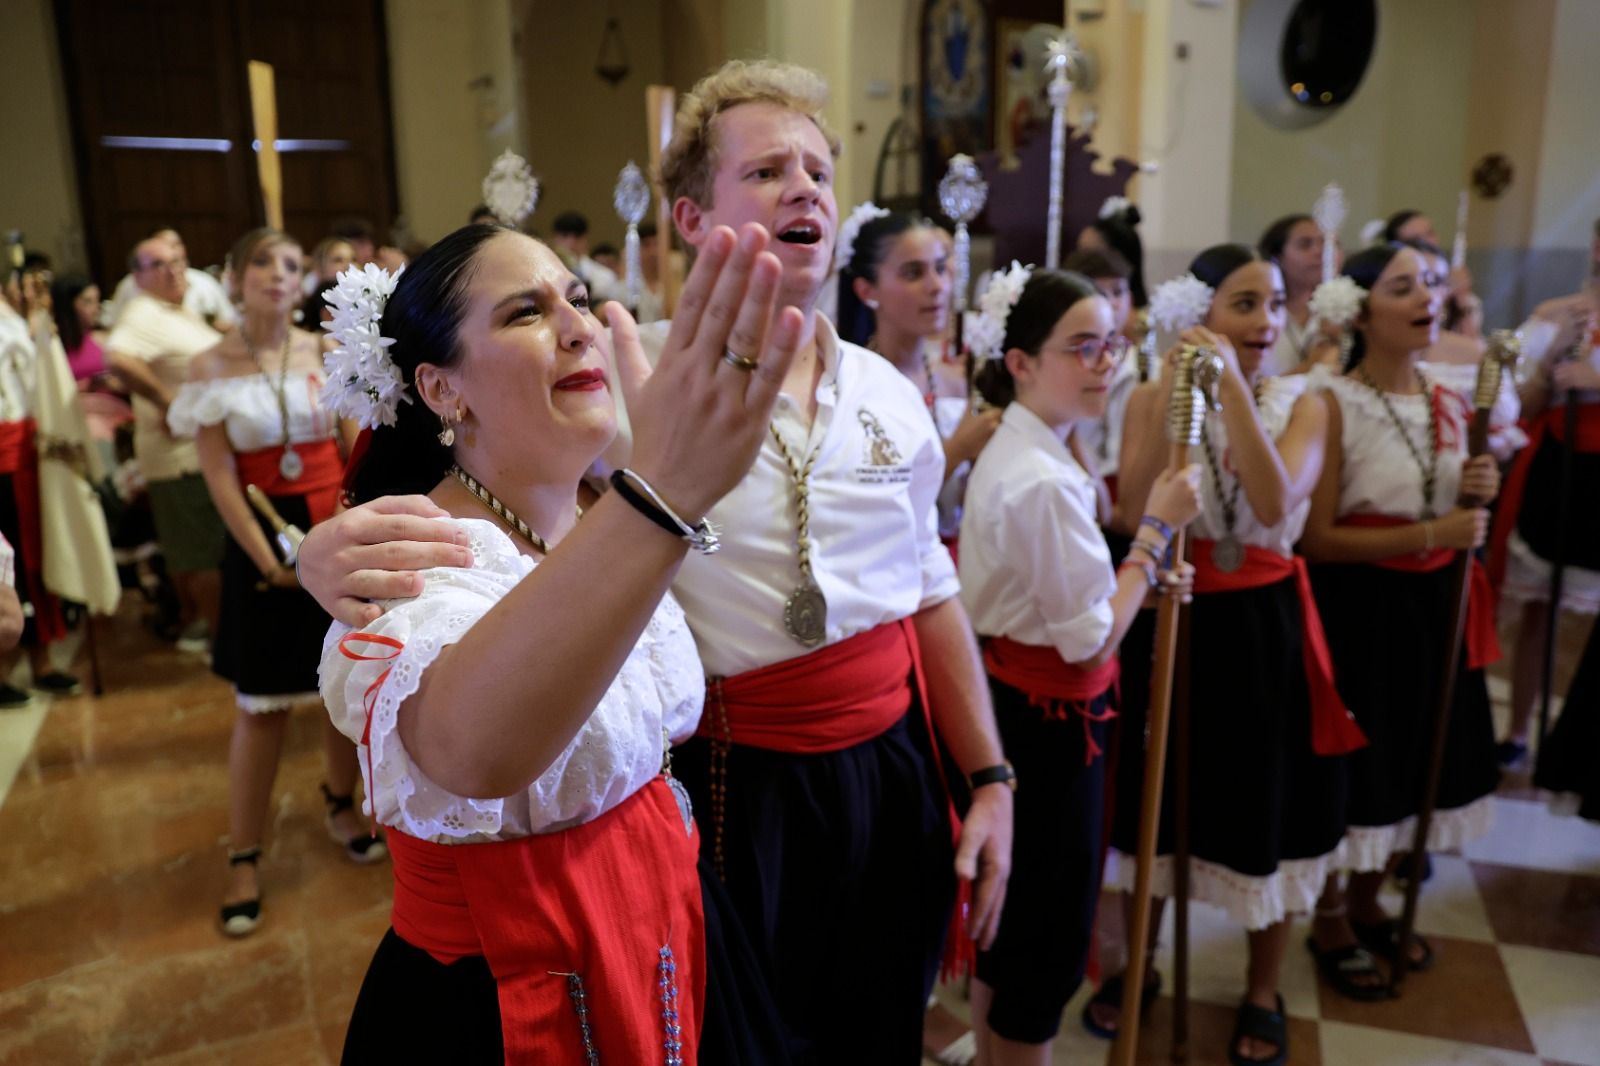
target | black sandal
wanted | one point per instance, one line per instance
(364, 847)
(1341, 965)
(241, 919)
(1109, 994)
(1267, 1026)
(1382, 938)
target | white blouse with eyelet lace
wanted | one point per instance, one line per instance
(617, 752)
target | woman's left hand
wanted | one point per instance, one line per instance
(1201, 337)
(1480, 479)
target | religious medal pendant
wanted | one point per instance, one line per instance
(1227, 554)
(290, 465)
(685, 808)
(805, 615)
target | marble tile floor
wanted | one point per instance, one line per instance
(112, 822)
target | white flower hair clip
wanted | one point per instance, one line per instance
(844, 248)
(986, 328)
(1372, 232)
(1337, 301)
(363, 382)
(1114, 205)
(1180, 302)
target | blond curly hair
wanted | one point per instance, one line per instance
(688, 166)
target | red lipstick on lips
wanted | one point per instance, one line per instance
(583, 381)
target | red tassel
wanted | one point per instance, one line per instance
(960, 950)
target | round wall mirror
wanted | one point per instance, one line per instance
(1301, 60)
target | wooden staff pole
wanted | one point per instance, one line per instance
(1501, 357)
(660, 101)
(1180, 843)
(264, 119)
(1193, 384)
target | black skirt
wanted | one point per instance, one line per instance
(1038, 958)
(1539, 520)
(1259, 796)
(1387, 632)
(269, 641)
(840, 869)
(1569, 758)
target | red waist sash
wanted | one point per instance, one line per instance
(17, 449)
(543, 908)
(19, 457)
(1551, 421)
(1057, 687)
(1483, 643)
(834, 698)
(1333, 728)
(318, 483)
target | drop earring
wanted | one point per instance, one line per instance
(873, 304)
(447, 435)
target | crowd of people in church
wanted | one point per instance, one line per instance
(712, 682)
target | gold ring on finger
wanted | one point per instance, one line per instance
(737, 361)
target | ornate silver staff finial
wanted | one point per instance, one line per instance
(1328, 212)
(962, 194)
(631, 198)
(510, 190)
(1503, 357)
(1063, 53)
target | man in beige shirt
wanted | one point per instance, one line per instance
(151, 347)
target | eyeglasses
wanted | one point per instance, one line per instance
(177, 266)
(1091, 350)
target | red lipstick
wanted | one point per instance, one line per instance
(583, 381)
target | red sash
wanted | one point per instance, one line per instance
(834, 698)
(542, 908)
(1057, 687)
(318, 483)
(1333, 728)
(19, 457)
(1552, 421)
(1483, 643)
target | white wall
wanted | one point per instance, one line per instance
(38, 182)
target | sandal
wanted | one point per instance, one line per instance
(241, 919)
(1109, 994)
(1267, 1026)
(1382, 937)
(1340, 966)
(364, 848)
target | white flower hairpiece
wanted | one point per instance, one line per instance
(844, 248)
(1114, 205)
(1180, 302)
(986, 329)
(1372, 232)
(363, 382)
(1337, 301)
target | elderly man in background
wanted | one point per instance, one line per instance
(204, 294)
(151, 346)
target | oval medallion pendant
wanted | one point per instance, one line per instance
(1227, 554)
(290, 465)
(805, 615)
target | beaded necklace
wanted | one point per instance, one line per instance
(1429, 469)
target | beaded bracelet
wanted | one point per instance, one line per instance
(1158, 525)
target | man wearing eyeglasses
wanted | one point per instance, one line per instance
(155, 339)
(204, 296)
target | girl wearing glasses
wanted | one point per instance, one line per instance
(1265, 802)
(1037, 580)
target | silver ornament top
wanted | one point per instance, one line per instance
(632, 194)
(962, 190)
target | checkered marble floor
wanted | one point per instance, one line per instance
(1514, 922)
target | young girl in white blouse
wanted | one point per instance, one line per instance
(1397, 501)
(252, 404)
(514, 716)
(1037, 579)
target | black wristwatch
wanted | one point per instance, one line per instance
(994, 775)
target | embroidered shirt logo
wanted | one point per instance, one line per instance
(880, 450)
